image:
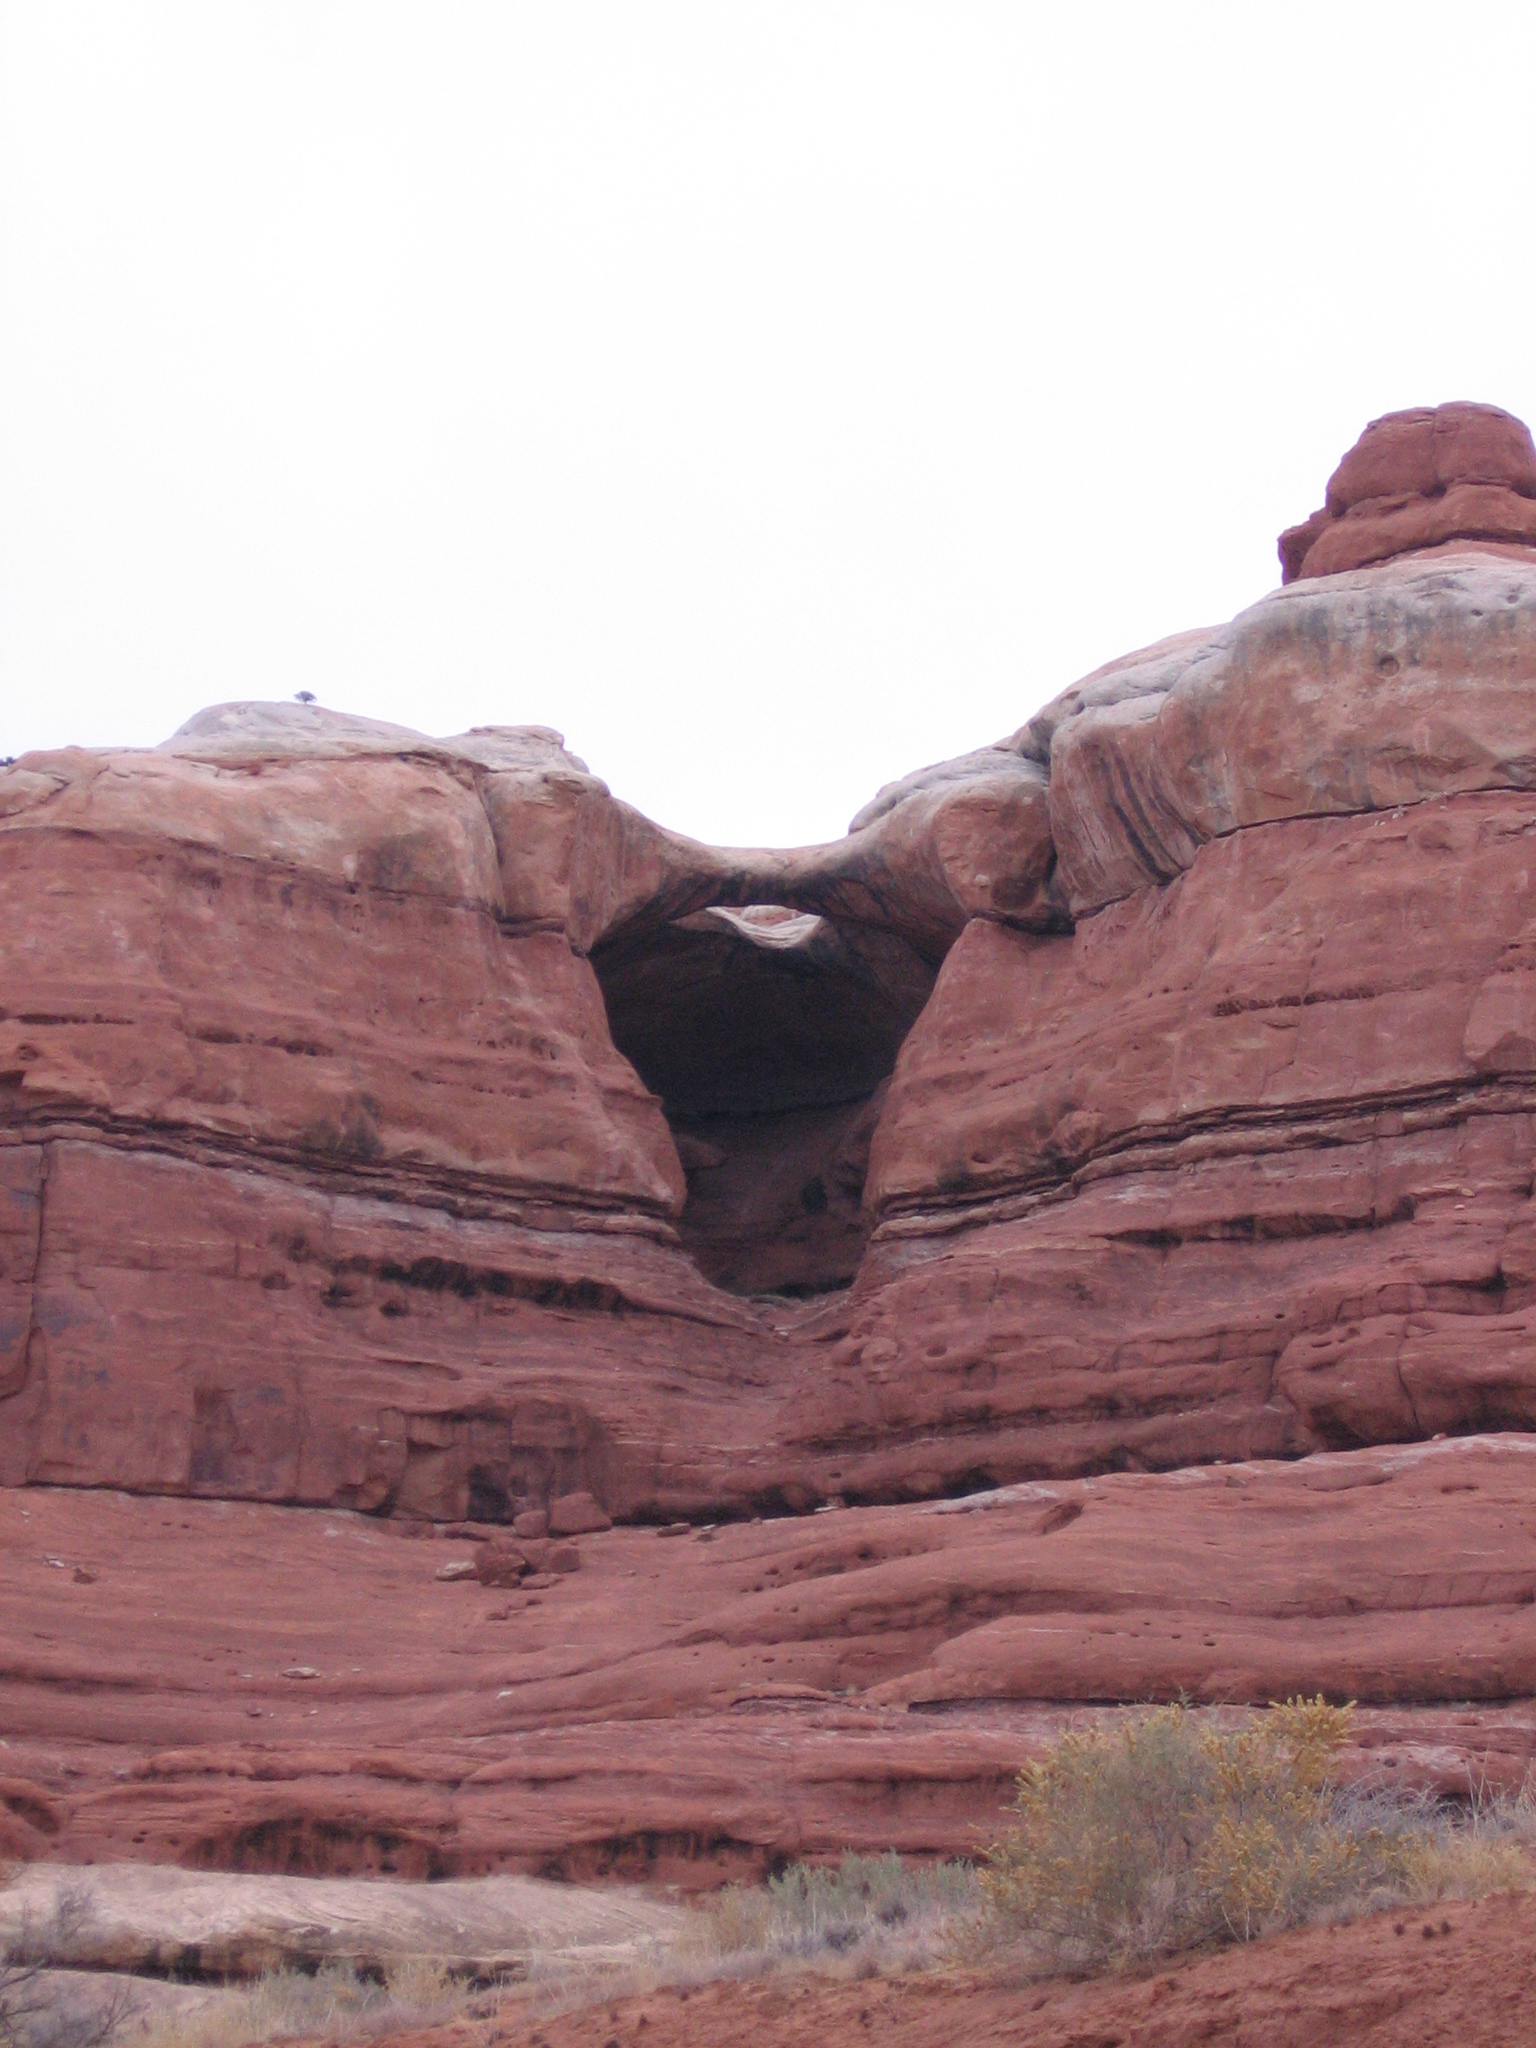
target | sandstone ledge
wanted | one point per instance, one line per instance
(867, 1677)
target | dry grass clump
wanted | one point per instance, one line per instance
(1173, 1832)
(867, 1912)
(337, 2003)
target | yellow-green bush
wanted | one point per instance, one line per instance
(1175, 1830)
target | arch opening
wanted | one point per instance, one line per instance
(769, 1035)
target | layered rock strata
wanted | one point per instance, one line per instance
(1076, 1181)
(408, 1125)
(232, 1686)
(1417, 480)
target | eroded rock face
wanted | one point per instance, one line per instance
(304, 955)
(407, 1127)
(407, 1124)
(1418, 479)
(255, 1688)
(769, 1036)
(1364, 693)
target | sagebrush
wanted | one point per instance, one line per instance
(865, 1907)
(1174, 1831)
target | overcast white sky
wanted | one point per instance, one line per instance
(773, 397)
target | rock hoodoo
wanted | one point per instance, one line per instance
(1416, 480)
(408, 1126)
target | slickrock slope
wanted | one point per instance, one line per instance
(241, 1687)
(408, 1128)
(138, 1919)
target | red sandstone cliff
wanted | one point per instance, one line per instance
(1208, 997)
(406, 1125)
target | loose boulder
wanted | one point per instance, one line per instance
(501, 1564)
(577, 1514)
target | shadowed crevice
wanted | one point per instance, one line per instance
(768, 1035)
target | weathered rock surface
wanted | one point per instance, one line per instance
(327, 1177)
(302, 957)
(406, 1126)
(1333, 699)
(866, 1677)
(136, 1918)
(1415, 480)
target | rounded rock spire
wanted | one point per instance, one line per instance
(1416, 480)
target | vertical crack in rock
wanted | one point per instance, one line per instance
(44, 1168)
(21, 1375)
(1407, 1391)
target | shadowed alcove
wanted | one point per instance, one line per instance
(768, 1035)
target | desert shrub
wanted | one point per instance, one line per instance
(30, 2015)
(1173, 1831)
(864, 1906)
(31, 2012)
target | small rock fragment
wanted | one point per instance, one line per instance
(501, 1564)
(1061, 1516)
(457, 1568)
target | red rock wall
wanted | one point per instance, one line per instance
(405, 1126)
(173, 967)
(322, 1177)
(1225, 1172)
(698, 1708)
(1243, 1165)
(232, 1331)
